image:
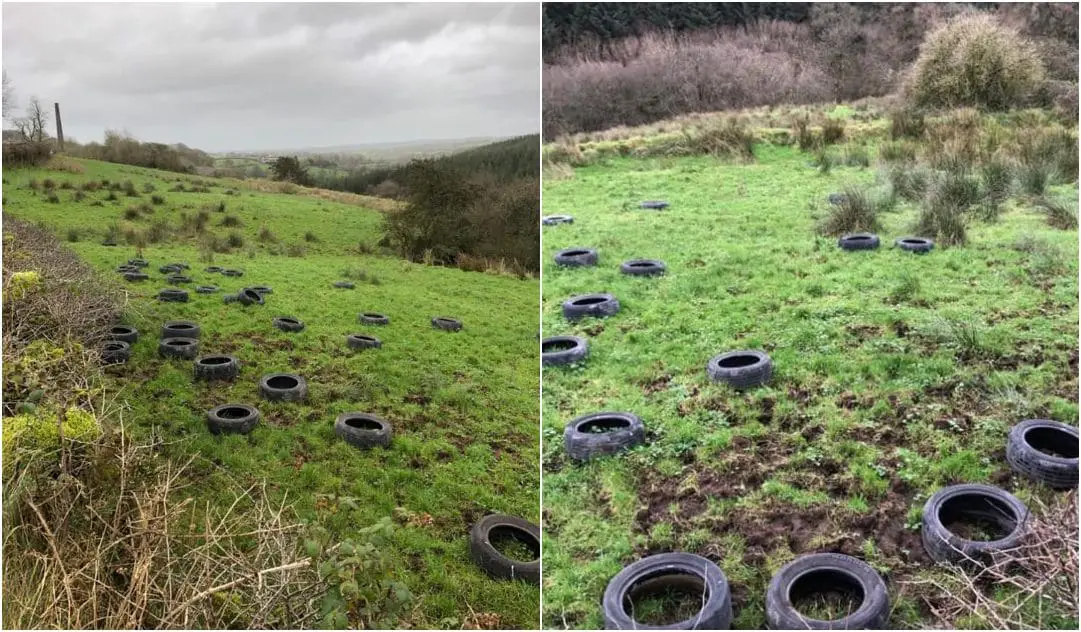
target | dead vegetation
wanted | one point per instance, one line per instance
(1017, 588)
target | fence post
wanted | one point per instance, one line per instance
(59, 128)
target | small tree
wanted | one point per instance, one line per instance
(289, 169)
(34, 126)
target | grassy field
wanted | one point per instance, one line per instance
(463, 405)
(895, 374)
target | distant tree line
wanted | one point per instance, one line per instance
(592, 25)
(124, 149)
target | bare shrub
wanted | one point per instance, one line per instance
(1008, 592)
(677, 73)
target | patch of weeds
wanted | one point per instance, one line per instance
(157, 200)
(52, 197)
(132, 213)
(311, 238)
(73, 235)
(235, 239)
(231, 221)
(907, 288)
(129, 189)
(78, 196)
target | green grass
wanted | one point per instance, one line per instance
(894, 374)
(463, 406)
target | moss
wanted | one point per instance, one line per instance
(39, 431)
(24, 283)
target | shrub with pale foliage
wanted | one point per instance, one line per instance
(975, 61)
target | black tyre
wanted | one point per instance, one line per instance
(127, 267)
(596, 305)
(133, 277)
(262, 289)
(643, 267)
(288, 323)
(915, 244)
(109, 242)
(576, 257)
(553, 220)
(169, 269)
(177, 279)
(216, 367)
(248, 296)
(232, 273)
(825, 573)
(563, 350)
(206, 289)
(212, 269)
(372, 318)
(183, 348)
(654, 205)
(836, 199)
(741, 369)
(362, 341)
(283, 387)
(1045, 451)
(232, 418)
(173, 295)
(657, 573)
(180, 329)
(123, 333)
(363, 430)
(859, 241)
(446, 324)
(180, 265)
(229, 298)
(951, 513)
(601, 434)
(495, 563)
(138, 262)
(115, 352)
(345, 285)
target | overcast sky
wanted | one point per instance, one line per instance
(279, 76)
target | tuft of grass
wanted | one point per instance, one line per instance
(230, 221)
(52, 197)
(857, 212)
(129, 189)
(907, 123)
(833, 131)
(1035, 174)
(73, 235)
(132, 213)
(1059, 213)
(157, 200)
(235, 239)
(267, 236)
(311, 237)
(857, 156)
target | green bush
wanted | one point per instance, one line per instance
(975, 61)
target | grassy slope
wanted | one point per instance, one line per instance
(463, 405)
(871, 408)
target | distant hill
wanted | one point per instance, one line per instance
(505, 160)
(378, 152)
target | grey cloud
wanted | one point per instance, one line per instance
(267, 76)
